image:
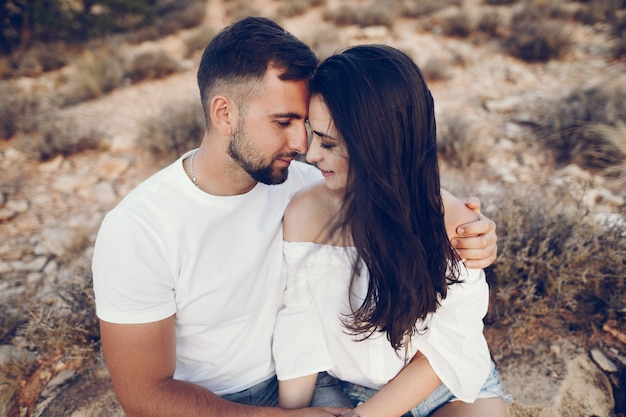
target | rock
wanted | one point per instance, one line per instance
(110, 168)
(34, 265)
(543, 384)
(87, 393)
(603, 362)
(67, 183)
(61, 240)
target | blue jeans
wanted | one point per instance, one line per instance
(336, 393)
(264, 393)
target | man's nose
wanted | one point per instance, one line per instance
(298, 140)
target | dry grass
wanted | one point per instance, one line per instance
(458, 24)
(59, 332)
(588, 128)
(556, 257)
(177, 129)
(291, 8)
(535, 36)
(374, 13)
(415, 9)
(59, 135)
(456, 142)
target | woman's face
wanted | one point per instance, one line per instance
(326, 149)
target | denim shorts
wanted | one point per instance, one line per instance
(332, 392)
(264, 393)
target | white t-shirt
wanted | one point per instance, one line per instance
(310, 337)
(215, 262)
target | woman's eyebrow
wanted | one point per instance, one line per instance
(323, 135)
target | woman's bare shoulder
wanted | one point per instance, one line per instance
(456, 213)
(307, 214)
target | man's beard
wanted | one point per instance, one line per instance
(250, 159)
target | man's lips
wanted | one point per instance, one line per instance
(285, 161)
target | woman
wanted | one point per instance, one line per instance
(375, 293)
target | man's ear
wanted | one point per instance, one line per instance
(223, 113)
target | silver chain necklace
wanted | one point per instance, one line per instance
(193, 174)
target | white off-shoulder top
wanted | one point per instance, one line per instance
(309, 336)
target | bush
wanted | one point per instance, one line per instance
(296, 7)
(420, 8)
(150, 65)
(459, 24)
(588, 127)
(24, 22)
(555, 257)
(95, 75)
(372, 14)
(177, 129)
(537, 41)
(59, 135)
(456, 143)
(489, 23)
(198, 40)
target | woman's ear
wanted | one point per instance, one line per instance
(223, 113)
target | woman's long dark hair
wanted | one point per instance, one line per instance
(384, 112)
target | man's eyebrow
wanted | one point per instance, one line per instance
(289, 115)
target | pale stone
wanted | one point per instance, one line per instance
(104, 192)
(603, 362)
(110, 168)
(67, 183)
(34, 265)
(52, 165)
(58, 241)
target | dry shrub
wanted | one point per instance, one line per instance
(22, 111)
(588, 127)
(181, 15)
(198, 40)
(420, 8)
(238, 9)
(59, 332)
(324, 41)
(499, 2)
(40, 58)
(151, 65)
(96, 74)
(555, 257)
(458, 24)
(291, 8)
(59, 135)
(177, 129)
(489, 23)
(534, 37)
(456, 142)
(10, 94)
(374, 13)
(597, 11)
(436, 69)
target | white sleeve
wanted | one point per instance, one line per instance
(299, 345)
(132, 280)
(454, 343)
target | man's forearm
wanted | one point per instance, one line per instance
(183, 399)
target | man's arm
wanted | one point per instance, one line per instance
(476, 241)
(141, 359)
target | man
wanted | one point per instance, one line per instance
(187, 268)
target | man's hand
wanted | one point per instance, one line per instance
(477, 243)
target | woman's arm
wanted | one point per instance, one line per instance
(297, 392)
(407, 389)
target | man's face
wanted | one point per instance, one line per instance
(272, 132)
